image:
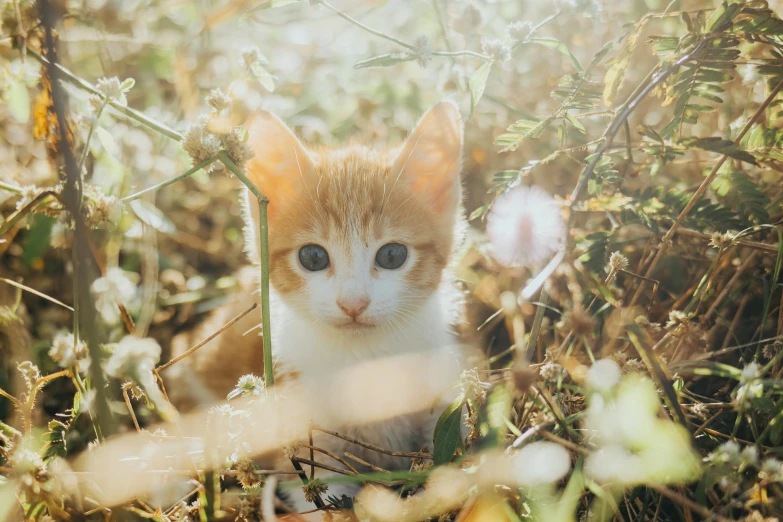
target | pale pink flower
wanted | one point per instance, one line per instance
(525, 226)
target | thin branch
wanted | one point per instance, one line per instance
(183, 175)
(633, 102)
(220, 330)
(408, 454)
(666, 240)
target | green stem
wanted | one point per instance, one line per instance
(86, 86)
(89, 135)
(263, 230)
(192, 170)
(363, 27)
(10, 188)
(399, 42)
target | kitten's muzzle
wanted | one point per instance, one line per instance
(353, 307)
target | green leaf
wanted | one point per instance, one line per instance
(560, 47)
(18, 100)
(264, 77)
(127, 84)
(107, 142)
(576, 123)
(720, 145)
(479, 212)
(386, 60)
(477, 84)
(37, 240)
(151, 215)
(447, 432)
(613, 79)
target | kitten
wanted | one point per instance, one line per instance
(361, 241)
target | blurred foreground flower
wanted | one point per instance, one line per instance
(116, 285)
(67, 354)
(135, 358)
(525, 226)
(635, 446)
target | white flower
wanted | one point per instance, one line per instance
(525, 226)
(603, 375)
(541, 463)
(132, 357)
(117, 285)
(496, 50)
(750, 74)
(66, 354)
(613, 463)
(750, 372)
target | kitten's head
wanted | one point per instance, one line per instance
(359, 238)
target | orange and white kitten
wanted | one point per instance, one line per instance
(360, 243)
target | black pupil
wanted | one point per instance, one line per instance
(391, 256)
(313, 257)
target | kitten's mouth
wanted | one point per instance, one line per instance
(355, 326)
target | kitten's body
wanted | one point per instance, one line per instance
(352, 203)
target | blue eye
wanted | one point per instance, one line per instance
(313, 257)
(391, 256)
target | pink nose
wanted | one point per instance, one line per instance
(353, 306)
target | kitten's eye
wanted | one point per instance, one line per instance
(313, 257)
(391, 256)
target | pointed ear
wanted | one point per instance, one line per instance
(431, 158)
(280, 164)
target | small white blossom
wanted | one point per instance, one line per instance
(250, 56)
(496, 50)
(525, 226)
(133, 356)
(112, 89)
(423, 49)
(218, 100)
(116, 285)
(550, 371)
(750, 372)
(540, 463)
(519, 30)
(617, 262)
(750, 74)
(66, 354)
(721, 240)
(603, 375)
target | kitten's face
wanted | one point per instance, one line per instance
(359, 238)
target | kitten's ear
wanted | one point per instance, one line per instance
(431, 159)
(280, 163)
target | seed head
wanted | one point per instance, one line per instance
(218, 100)
(199, 143)
(617, 262)
(250, 56)
(112, 89)
(66, 354)
(246, 473)
(133, 356)
(550, 371)
(519, 30)
(720, 240)
(496, 50)
(314, 489)
(423, 50)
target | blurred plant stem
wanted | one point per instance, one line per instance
(83, 272)
(223, 158)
